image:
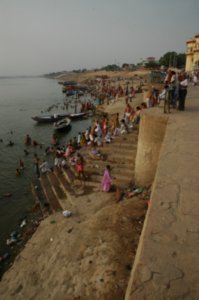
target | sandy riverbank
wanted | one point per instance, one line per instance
(93, 74)
(86, 256)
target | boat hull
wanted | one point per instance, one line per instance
(62, 125)
(57, 117)
(49, 118)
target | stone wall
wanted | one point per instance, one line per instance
(151, 134)
(166, 265)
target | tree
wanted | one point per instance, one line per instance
(152, 65)
(168, 59)
(125, 65)
(181, 60)
(173, 59)
(111, 68)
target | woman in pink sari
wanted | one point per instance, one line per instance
(106, 179)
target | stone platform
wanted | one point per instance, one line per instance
(167, 259)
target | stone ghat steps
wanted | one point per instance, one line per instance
(115, 170)
(112, 161)
(123, 142)
(96, 174)
(95, 181)
(115, 156)
(60, 186)
(90, 173)
(40, 197)
(101, 163)
(57, 190)
(50, 192)
(112, 149)
(118, 142)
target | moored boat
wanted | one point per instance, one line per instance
(56, 117)
(63, 124)
(50, 118)
(76, 116)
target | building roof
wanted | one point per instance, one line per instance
(190, 41)
(150, 58)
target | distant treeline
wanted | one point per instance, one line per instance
(169, 59)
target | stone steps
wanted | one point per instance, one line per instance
(60, 186)
(87, 182)
(49, 193)
(123, 142)
(40, 197)
(114, 170)
(119, 150)
(92, 172)
(56, 185)
(117, 157)
(114, 145)
(100, 164)
(97, 176)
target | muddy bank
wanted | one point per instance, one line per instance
(89, 254)
(18, 238)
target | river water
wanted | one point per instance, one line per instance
(21, 98)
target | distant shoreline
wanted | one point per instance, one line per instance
(21, 76)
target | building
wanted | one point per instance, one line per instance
(192, 54)
(148, 60)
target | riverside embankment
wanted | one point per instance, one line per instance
(167, 262)
(89, 254)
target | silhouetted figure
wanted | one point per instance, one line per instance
(26, 152)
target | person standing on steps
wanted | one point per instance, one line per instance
(80, 166)
(182, 92)
(36, 162)
(106, 179)
(167, 100)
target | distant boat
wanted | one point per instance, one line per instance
(74, 92)
(63, 124)
(57, 117)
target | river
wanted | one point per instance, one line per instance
(20, 99)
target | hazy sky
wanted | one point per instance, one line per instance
(42, 36)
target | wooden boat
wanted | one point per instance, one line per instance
(74, 92)
(57, 117)
(50, 118)
(76, 116)
(63, 124)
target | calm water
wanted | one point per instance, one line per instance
(19, 100)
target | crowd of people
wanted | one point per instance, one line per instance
(175, 89)
(105, 128)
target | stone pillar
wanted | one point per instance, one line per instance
(151, 134)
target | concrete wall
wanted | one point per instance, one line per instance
(151, 134)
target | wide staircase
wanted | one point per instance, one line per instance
(57, 190)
